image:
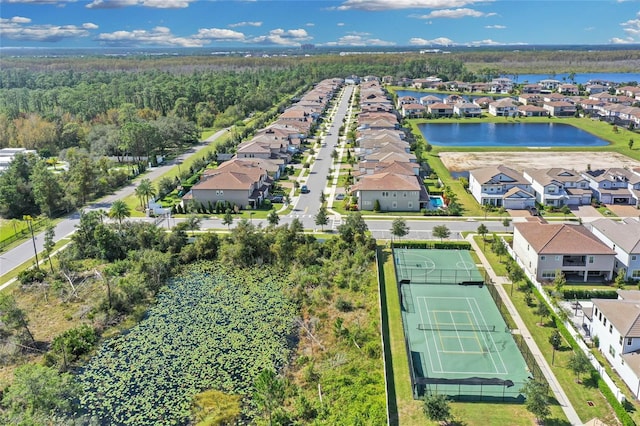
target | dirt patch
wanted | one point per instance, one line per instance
(579, 161)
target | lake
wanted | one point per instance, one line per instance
(616, 77)
(507, 135)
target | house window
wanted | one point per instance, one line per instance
(557, 258)
(633, 257)
(367, 203)
(410, 204)
(612, 351)
(635, 273)
(610, 328)
(620, 340)
(591, 259)
(394, 205)
(548, 274)
(404, 194)
(543, 258)
(394, 194)
(600, 316)
(595, 311)
(629, 341)
(385, 194)
(604, 322)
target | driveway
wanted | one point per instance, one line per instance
(586, 213)
(624, 211)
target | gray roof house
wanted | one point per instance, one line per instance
(624, 238)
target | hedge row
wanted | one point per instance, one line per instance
(618, 408)
(444, 245)
(572, 294)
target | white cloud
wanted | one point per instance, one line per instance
(340, 24)
(487, 42)
(495, 27)
(617, 40)
(158, 4)
(246, 24)
(283, 37)
(158, 36)
(20, 20)
(16, 28)
(89, 26)
(359, 40)
(219, 34)
(377, 5)
(632, 28)
(309, 24)
(451, 14)
(440, 41)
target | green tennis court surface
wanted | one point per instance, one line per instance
(458, 342)
(436, 266)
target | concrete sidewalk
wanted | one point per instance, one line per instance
(558, 392)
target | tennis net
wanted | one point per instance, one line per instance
(435, 327)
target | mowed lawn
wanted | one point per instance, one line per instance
(409, 411)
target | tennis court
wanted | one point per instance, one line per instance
(436, 266)
(457, 341)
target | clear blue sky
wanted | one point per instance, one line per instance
(237, 24)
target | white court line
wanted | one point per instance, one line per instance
(504, 367)
(464, 262)
(457, 334)
(442, 370)
(426, 340)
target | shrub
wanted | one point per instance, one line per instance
(344, 305)
(31, 275)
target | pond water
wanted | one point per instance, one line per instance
(616, 77)
(508, 135)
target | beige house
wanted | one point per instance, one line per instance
(393, 191)
(545, 248)
(241, 183)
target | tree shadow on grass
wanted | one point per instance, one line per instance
(592, 380)
(556, 422)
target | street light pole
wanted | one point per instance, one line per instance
(29, 219)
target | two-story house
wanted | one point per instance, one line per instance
(614, 185)
(544, 248)
(243, 184)
(616, 324)
(392, 191)
(501, 186)
(624, 238)
(558, 187)
(505, 107)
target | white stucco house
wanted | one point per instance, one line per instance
(501, 186)
(616, 323)
(624, 238)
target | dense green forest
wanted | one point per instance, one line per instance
(225, 313)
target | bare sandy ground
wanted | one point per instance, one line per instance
(579, 161)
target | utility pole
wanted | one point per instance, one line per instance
(29, 219)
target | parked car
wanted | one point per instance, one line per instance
(277, 199)
(340, 197)
(304, 189)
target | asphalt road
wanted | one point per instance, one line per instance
(307, 205)
(25, 251)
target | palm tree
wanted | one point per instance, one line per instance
(144, 192)
(119, 211)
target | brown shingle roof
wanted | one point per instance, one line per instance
(566, 239)
(387, 182)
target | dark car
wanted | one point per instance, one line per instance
(277, 199)
(339, 196)
(304, 189)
